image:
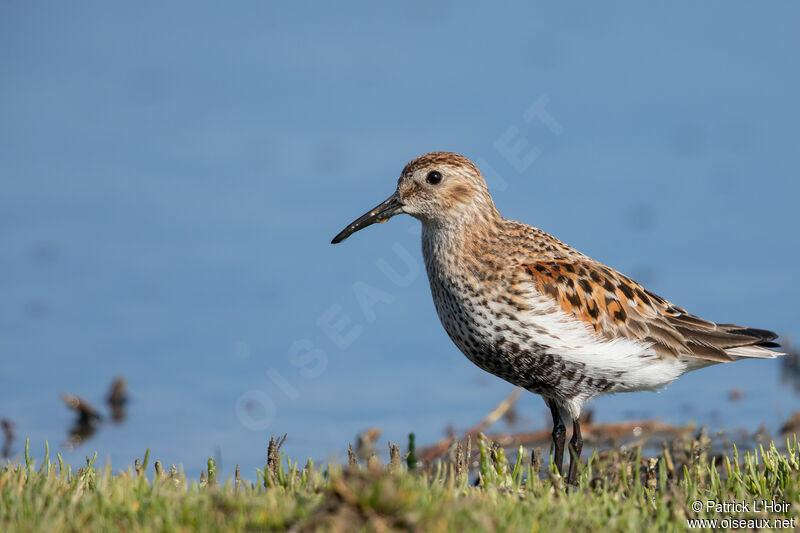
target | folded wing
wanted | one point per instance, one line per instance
(616, 306)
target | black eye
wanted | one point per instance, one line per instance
(434, 177)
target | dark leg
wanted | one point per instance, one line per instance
(575, 447)
(559, 435)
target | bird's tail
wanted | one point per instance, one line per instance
(758, 343)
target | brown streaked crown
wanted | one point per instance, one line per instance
(433, 159)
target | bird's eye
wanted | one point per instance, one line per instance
(434, 177)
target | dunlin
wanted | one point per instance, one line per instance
(533, 311)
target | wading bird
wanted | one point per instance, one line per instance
(528, 308)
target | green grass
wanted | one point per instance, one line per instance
(618, 491)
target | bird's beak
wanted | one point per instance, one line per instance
(381, 213)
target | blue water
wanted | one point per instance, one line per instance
(171, 176)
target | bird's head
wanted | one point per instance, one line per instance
(438, 188)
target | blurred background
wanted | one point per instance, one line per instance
(172, 175)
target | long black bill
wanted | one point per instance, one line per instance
(380, 213)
